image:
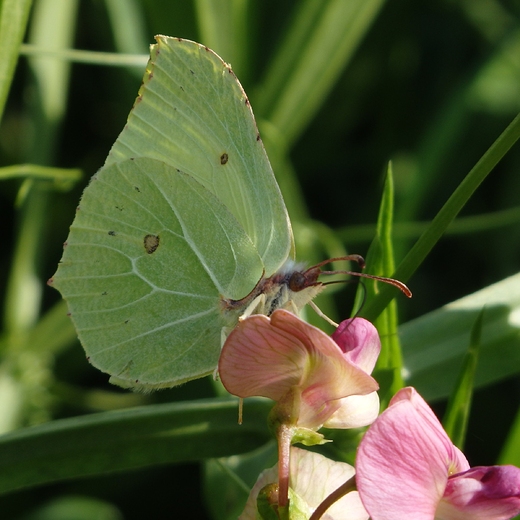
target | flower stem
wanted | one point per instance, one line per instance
(347, 487)
(285, 434)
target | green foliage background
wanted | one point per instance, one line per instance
(339, 88)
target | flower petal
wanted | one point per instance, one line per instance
(355, 411)
(268, 357)
(482, 493)
(360, 342)
(313, 478)
(404, 460)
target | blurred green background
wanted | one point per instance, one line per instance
(427, 85)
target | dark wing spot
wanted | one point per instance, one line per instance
(224, 158)
(112, 233)
(151, 243)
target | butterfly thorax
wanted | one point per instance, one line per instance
(291, 288)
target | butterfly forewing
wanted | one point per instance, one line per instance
(193, 114)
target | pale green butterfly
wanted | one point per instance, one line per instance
(182, 231)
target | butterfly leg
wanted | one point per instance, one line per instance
(255, 307)
(319, 312)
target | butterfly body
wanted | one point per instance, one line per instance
(291, 287)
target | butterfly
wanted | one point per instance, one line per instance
(182, 231)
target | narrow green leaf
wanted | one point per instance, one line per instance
(52, 27)
(313, 55)
(460, 226)
(223, 28)
(380, 262)
(446, 215)
(63, 178)
(128, 25)
(13, 21)
(510, 453)
(53, 332)
(288, 54)
(24, 288)
(128, 439)
(457, 415)
(107, 59)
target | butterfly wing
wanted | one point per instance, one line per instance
(148, 256)
(192, 113)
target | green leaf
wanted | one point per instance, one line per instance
(435, 344)
(141, 437)
(455, 421)
(75, 508)
(228, 481)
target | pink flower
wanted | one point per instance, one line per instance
(286, 359)
(408, 469)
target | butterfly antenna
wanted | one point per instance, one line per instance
(391, 281)
(349, 258)
(361, 262)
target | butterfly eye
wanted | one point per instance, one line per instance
(297, 281)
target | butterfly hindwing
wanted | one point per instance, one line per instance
(149, 255)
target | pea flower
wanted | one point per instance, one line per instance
(313, 478)
(408, 469)
(320, 380)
